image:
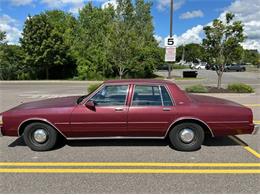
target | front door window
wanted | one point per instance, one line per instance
(111, 95)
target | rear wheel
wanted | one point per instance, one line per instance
(187, 136)
(40, 136)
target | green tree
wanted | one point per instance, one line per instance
(222, 43)
(192, 52)
(149, 56)
(134, 50)
(44, 43)
(11, 60)
(90, 42)
(116, 42)
(2, 37)
(11, 63)
(251, 57)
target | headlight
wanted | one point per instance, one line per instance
(1, 119)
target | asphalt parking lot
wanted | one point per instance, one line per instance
(222, 165)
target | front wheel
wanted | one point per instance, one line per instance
(40, 136)
(187, 136)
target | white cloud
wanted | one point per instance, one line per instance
(21, 2)
(160, 40)
(192, 35)
(10, 26)
(109, 3)
(246, 11)
(75, 5)
(62, 3)
(163, 4)
(192, 14)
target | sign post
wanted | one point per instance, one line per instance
(170, 49)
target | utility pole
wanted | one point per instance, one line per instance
(170, 48)
(171, 35)
(171, 19)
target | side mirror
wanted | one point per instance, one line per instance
(91, 105)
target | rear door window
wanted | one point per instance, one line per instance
(146, 95)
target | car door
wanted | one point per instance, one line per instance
(151, 111)
(233, 67)
(107, 119)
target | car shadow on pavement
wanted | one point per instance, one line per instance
(211, 142)
(219, 141)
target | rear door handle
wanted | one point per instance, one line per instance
(167, 109)
(119, 109)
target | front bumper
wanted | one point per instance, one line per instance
(256, 129)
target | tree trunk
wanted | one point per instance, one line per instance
(121, 72)
(219, 79)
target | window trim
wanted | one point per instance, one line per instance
(168, 91)
(105, 85)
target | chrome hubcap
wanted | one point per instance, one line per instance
(186, 135)
(40, 135)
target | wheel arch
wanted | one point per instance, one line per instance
(26, 122)
(200, 122)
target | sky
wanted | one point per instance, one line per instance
(189, 17)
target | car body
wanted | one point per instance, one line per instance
(211, 67)
(154, 109)
(235, 67)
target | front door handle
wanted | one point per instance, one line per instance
(119, 109)
(167, 109)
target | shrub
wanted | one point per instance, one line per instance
(178, 66)
(93, 87)
(196, 89)
(240, 88)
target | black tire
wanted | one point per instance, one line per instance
(195, 144)
(50, 142)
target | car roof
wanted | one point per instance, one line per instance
(133, 81)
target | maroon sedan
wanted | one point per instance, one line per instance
(124, 109)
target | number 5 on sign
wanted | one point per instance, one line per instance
(169, 42)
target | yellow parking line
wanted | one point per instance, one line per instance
(114, 171)
(252, 151)
(124, 164)
(257, 122)
(252, 105)
(245, 146)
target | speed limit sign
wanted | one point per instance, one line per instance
(169, 42)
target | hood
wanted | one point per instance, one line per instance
(202, 99)
(49, 103)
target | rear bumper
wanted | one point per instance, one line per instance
(256, 129)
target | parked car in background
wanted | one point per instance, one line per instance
(128, 109)
(201, 66)
(235, 67)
